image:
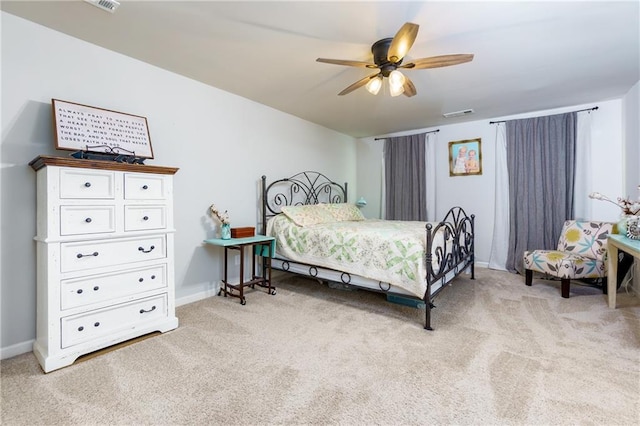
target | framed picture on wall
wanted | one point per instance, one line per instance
(85, 128)
(465, 157)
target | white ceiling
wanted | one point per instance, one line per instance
(529, 56)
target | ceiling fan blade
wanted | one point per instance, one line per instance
(360, 64)
(409, 88)
(438, 61)
(358, 84)
(402, 42)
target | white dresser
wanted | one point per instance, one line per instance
(105, 270)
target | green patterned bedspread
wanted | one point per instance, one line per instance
(384, 250)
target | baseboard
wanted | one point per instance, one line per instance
(198, 296)
(17, 349)
(205, 294)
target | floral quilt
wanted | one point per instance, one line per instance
(384, 250)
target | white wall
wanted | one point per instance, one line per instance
(631, 104)
(632, 142)
(476, 193)
(222, 144)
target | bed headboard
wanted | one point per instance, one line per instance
(300, 189)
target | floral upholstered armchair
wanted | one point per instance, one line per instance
(581, 253)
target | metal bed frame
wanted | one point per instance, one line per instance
(311, 187)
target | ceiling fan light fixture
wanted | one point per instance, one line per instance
(396, 78)
(396, 91)
(374, 85)
(396, 83)
(388, 54)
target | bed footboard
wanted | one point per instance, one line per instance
(451, 258)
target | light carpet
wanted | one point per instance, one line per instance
(501, 353)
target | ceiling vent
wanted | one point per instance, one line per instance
(108, 5)
(458, 113)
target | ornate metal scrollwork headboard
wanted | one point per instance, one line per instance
(300, 189)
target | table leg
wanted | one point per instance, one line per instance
(224, 282)
(253, 265)
(267, 265)
(612, 274)
(266, 269)
(243, 301)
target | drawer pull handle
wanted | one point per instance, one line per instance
(145, 187)
(79, 291)
(80, 255)
(88, 220)
(97, 324)
(96, 288)
(145, 251)
(153, 308)
(145, 218)
(140, 280)
(87, 184)
(80, 328)
(153, 277)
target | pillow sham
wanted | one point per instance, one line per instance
(344, 211)
(308, 215)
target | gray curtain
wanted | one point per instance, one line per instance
(405, 178)
(541, 156)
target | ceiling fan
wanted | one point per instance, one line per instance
(388, 54)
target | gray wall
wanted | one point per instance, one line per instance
(222, 144)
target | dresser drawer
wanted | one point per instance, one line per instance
(86, 183)
(83, 255)
(100, 288)
(75, 220)
(139, 218)
(95, 324)
(141, 186)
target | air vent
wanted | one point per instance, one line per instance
(108, 5)
(458, 113)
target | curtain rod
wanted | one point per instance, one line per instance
(432, 131)
(581, 110)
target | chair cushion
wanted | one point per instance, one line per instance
(587, 239)
(563, 264)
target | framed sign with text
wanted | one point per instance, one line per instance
(84, 128)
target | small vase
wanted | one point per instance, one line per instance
(225, 231)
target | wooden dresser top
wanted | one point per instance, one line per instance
(47, 160)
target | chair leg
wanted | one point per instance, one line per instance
(528, 276)
(565, 287)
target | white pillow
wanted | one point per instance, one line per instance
(308, 215)
(344, 211)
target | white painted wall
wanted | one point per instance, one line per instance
(476, 193)
(631, 106)
(222, 144)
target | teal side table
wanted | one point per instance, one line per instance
(617, 242)
(262, 247)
